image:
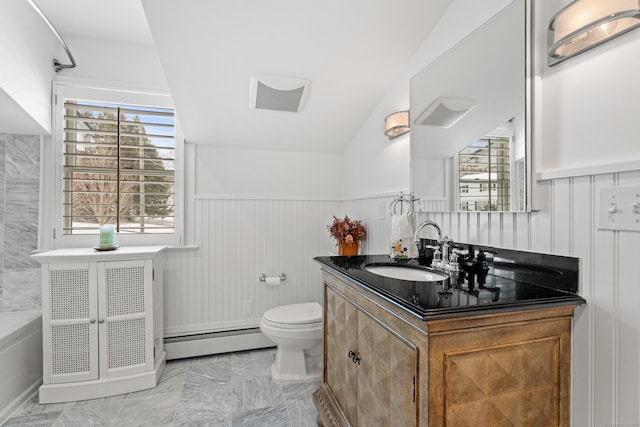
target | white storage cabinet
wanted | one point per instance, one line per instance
(102, 315)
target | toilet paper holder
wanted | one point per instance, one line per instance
(263, 277)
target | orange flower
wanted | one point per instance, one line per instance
(346, 230)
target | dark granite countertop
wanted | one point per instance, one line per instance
(510, 284)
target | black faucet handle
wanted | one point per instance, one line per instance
(480, 261)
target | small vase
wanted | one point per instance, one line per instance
(348, 250)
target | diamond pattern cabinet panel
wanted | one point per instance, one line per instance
(386, 376)
(341, 374)
(510, 385)
(369, 370)
(99, 322)
(515, 375)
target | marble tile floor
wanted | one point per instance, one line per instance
(231, 390)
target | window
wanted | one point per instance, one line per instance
(116, 157)
(118, 168)
(484, 176)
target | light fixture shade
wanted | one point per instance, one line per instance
(397, 124)
(584, 24)
(276, 92)
(444, 112)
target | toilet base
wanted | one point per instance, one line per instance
(313, 374)
(295, 365)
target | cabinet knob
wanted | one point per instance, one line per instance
(92, 321)
(101, 321)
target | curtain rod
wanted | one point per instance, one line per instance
(57, 66)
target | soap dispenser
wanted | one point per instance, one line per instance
(454, 267)
(436, 263)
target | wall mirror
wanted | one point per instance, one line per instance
(470, 120)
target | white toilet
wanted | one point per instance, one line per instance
(297, 331)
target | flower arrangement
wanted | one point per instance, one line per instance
(346, 231)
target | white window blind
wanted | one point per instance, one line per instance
(484, 175)
(118, 168)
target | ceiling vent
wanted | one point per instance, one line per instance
(279, 93)
(444, 112)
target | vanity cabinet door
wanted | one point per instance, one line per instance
(386, 377)
(341, 337)
(370, 370)
(501, 375)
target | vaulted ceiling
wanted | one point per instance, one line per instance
(351, 51)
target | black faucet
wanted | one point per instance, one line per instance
(475, 266)
(481, 268)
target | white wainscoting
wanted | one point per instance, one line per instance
(606, 331)
(374, 212)
(215, 287)
(431, 205)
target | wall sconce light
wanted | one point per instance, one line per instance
(397, 124)
(584, 24)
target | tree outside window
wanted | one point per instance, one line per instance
(118, 168)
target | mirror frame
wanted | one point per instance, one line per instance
(529, 110)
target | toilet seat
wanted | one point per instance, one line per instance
(294, 315)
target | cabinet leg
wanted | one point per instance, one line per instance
(319, 421)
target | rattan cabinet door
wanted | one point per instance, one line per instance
(125, 328)
(70, 332)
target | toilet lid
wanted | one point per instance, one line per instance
(295, 314)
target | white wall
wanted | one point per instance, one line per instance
(119, 63)
(216, 286)
(589, 110)
(590, 104)
(253, 212)
(227, 172)
(372, 163)
(27, 50)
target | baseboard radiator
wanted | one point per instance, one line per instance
(195, 345)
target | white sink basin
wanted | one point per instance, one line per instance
(404, 272)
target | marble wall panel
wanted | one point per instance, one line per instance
(1, 255)
(20, 240)
(3, 142)
(19, 197)
(22, 159)
(21, 290)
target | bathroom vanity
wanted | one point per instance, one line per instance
(447, 352)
